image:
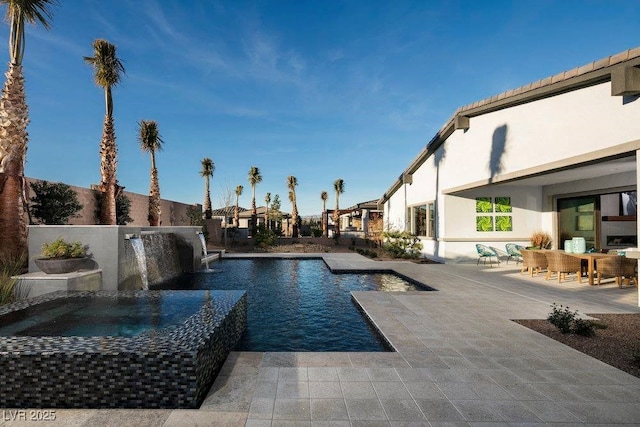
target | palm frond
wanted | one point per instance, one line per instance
(149, 137)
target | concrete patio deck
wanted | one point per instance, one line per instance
(460, 360)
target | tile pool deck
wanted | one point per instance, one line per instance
(460, 361)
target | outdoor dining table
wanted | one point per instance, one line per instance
(591, 257)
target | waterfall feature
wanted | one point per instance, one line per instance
(205, 256)
(141, 258)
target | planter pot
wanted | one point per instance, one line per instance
(60, 265)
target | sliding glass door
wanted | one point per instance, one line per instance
(578, 217)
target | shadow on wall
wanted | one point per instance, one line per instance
(498, 149)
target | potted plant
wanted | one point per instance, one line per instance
(60, 256)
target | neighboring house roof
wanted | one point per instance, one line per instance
(260, 211)
(227, 211)
(587, 75)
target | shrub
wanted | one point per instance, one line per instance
(60, 248)
(567, 321)
(561, 317)
(54, 203)
(401, 244)
(265, 237)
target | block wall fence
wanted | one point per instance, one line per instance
(172, 213)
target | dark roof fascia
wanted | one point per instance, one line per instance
(588, 75)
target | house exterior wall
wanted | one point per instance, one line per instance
(566, 128)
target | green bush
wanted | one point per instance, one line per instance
(265, 237)
(53, 203)
(561, 317)
(401, 244)
(568, 321)
(60, 248)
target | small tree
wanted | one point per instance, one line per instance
(54, 203)
(123, 207)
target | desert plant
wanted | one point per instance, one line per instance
(53, 203)
(401, 244)
(583, 327)
(60, 248)
(561, 317)
(541, 239)
(11, 264)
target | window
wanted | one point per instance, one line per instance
(422, 220)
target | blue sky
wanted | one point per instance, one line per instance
(316, 89)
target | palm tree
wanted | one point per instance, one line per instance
(292, 182)
(338, 185)
(236, 213)
(254, 179)
(150, 142)
(324, 196)
(208, 168)
(13, 126)
(108, 72)
(267, 200)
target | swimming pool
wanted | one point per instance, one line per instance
(298, 304)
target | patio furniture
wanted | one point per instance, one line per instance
(533, 261)
(562, 263)
(513, 251)
(591, 258)
(620, 267)
(485, 252)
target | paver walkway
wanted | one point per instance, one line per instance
(460, 360)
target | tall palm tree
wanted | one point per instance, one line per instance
(13, 126)
(267, 200)
(292, 182)
(324, 196)
(108, 72)
(150, 142)
(236, 213)
(338, 185)
(254, 179)
(208, 168)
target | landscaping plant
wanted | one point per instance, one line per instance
(401, 244)
(567, 321)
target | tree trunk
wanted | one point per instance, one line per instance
(13, 148)
(108, 167)
(207, 199)
(154, 200)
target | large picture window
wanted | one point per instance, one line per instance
(422, 220)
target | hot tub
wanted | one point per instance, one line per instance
(110, 349)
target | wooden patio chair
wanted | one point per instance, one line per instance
(620, 267)
(513, 251)
(532, 261)
(561, 263)
(485, 252)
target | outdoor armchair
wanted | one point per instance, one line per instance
(532, 261)
(561, 263)
(620, 267)
(485, 252)
(513, 251)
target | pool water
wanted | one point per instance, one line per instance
(103, 316)
(298, 305)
